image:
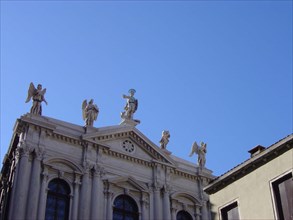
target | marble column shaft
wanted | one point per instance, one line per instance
(109, 211)
(34, 189)
(43, 196)
(166, 202)
(95, 196)
(157, 204)
(85, 197)
(75, 200)
(20, 197)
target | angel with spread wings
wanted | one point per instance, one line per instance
(90, 112)
(200, 151)
(37, 95)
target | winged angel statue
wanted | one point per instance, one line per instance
(165, 139)
(90, 112)
(37, 95)
(200, 151)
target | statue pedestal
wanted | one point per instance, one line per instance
(89, 129)
(129, 122)
(167, 152)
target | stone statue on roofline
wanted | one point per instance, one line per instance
(130, 108)
(201, 152)
(165, 139)
(90, 112)
(38, 96)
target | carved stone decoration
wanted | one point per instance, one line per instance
(24, 149)
(128, 146)
(165, 139)
(126, 191)
(39, 152)
(130, 108)
(89, 165)
(90, 112)
(100, 171)
(37, 95)
(60, 174)
(200, 151)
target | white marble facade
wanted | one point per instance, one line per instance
(98, 166)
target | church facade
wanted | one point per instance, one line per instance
(58, 170)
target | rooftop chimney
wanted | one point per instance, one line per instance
(256, 150)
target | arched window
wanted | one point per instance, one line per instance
(125, 208)
(57, 200)
(183, 215)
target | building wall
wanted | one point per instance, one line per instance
(253, 191)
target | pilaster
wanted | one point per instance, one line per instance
(34, 187)
(109, 207)
(75, 198)
(166, 202)
(85, 195)
(43, 195)
(24, 168)
(144, 206)
(96, 199)
(157, 202)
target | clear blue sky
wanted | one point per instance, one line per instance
(212, 71)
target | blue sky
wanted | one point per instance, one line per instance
(212, 71)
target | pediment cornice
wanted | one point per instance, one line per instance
(119, 132)
(127, 179)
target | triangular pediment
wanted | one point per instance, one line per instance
(130, 141)
(128, 182)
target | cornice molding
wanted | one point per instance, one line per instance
(250, 165)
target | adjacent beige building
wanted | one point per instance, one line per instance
(58, 170)
(259, 188)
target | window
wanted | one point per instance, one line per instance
(283, 191)
(57, 200)
(128, 146)
(183, 215)
(230, 212)
(125, 208)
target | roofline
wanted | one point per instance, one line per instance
(250, 165)
(52, 125)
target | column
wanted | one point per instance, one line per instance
(85, 195)
(166, 202)
(95, 195)
(144, 204)
(34, 190)
(108, 208)
(151, 205)
(204, 211)
(14, 181)
(75, 198)
(43, 195)
(20, 199)
(204, 199)
(157, 203)
(173, 213)
(101, 197)
(198, 212)
(109, 211)
(143, 210)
